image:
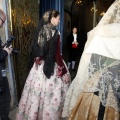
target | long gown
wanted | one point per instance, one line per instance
(94, 92)
(43, 98)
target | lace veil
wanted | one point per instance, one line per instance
(99, 71)
(47, 42)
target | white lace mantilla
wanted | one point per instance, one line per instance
(101, 76)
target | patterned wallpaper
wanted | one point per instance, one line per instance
(25, 17)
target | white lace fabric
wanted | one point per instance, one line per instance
(101, 76)
(104, 76)
(112, 15)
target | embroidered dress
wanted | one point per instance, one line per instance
(47, 83)
(42, 98)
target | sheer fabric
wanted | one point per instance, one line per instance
(99, 71)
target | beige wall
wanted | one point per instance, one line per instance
(2, 30)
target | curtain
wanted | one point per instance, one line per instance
(53, 4)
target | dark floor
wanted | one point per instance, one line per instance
(65, 57)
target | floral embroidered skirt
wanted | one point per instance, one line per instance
(42, 98)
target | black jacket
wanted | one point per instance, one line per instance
(5, 96)
(70, 39)
(3, 55)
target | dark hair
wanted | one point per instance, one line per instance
(74, 27)
(53, 13)
(48, 49)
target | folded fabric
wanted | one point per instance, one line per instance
(74, 46)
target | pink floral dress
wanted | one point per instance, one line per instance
(42, 98)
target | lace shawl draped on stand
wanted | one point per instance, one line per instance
(102, 44)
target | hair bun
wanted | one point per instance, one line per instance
(47, 15)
